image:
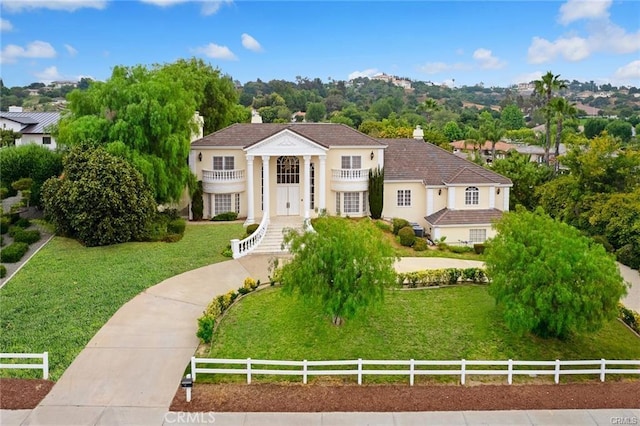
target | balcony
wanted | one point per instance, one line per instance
(223, 181)
(349, 180)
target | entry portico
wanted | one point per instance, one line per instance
(284, 151)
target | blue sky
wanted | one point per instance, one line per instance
(458, 42)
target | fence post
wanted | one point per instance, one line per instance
(193, 368)
(411, 370)
(235, 248)
(557, 375)
(359, 371)
(188, 390)
(45, 365)
(248, 371)
(462, 371)
(510, 372)
(304, 371)
(603, 366)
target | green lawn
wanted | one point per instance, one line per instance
(443, 324)
(64, 295)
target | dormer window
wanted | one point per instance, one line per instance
(471, 196)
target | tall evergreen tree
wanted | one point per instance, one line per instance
(376, 192)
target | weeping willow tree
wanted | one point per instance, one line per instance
(145, 115)
(343, 267)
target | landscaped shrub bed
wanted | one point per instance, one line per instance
(224, 217)
(3, 271)
(629, 317)
(438, 277)
(407, 236)
(26, 236)
(13, 252)
(4, 225)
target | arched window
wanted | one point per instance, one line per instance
(471, 195)
(288, 170)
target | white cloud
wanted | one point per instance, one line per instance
(71, 50)
(487, 61)
(5, 25)
(209, 7)
(527, 77)
(629, 72)
(369, 72)
(439, 67)
(574, 10)
(572, 49)
(68, 5)
(213, 50)
(608, 37)
(36, 49)
(251, 43)
(48, 75)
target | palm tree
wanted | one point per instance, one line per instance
(491, 130)
(428, 106)
(562, 110)
(545, 87)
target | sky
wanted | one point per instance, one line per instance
(454, 42)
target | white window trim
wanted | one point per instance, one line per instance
(403, 198)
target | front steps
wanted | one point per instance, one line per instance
(272, 241)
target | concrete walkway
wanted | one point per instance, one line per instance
(129, 372)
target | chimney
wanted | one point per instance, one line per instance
(15, 109)
(255, 117)
(418, 133)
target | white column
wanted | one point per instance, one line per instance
(211, 204)
(265, 179)
(322, 191)
(430, 201)
(451, 201)
(307, 185)
(250, 198)
(492, 197)
(505, 195)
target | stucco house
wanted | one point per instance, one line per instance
(265, 172)
(33, 126)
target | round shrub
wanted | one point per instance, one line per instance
(420, 245)
(13, 252)
(398, 224)
(479, 248)
(252, 228)
(177, 226)
(29, 237)
(4, 225)
(4, 193)
(407, 236)
(23, 223)
(3, 271)
(224, 217)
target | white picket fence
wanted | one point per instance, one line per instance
(44, 366)
(360, 368)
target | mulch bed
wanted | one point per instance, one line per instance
(18, 394)
(390, 398)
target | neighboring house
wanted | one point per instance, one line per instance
(468, 148)
(33, 126)
(302, 169)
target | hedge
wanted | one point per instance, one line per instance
(438, 277)
(29, 237)
(13, 252)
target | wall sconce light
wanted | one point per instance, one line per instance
(440, 191)
(199, 156)
(372, 155)
(498, 191)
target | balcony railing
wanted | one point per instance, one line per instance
(221, 176)
(350, 175)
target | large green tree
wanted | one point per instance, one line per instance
(548, 278)
(146, 115)
(512, 117)
(343, 267)
(546, 87)
(525, 175)
(562, 110)
(100, 199)
(316, 111)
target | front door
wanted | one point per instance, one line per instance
(288, 200)
(288, 186)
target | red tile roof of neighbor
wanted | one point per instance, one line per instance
(500, 146)
(324, 134)
(412, 159)
(463, 217)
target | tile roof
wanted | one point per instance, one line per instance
(34, 122)
(464, 217)
(411, 159)
(324, 134)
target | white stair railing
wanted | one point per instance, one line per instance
(241, 248)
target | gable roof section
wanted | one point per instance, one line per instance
(324, 134)
(34, 122)
(446, 217)
(412, 159)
